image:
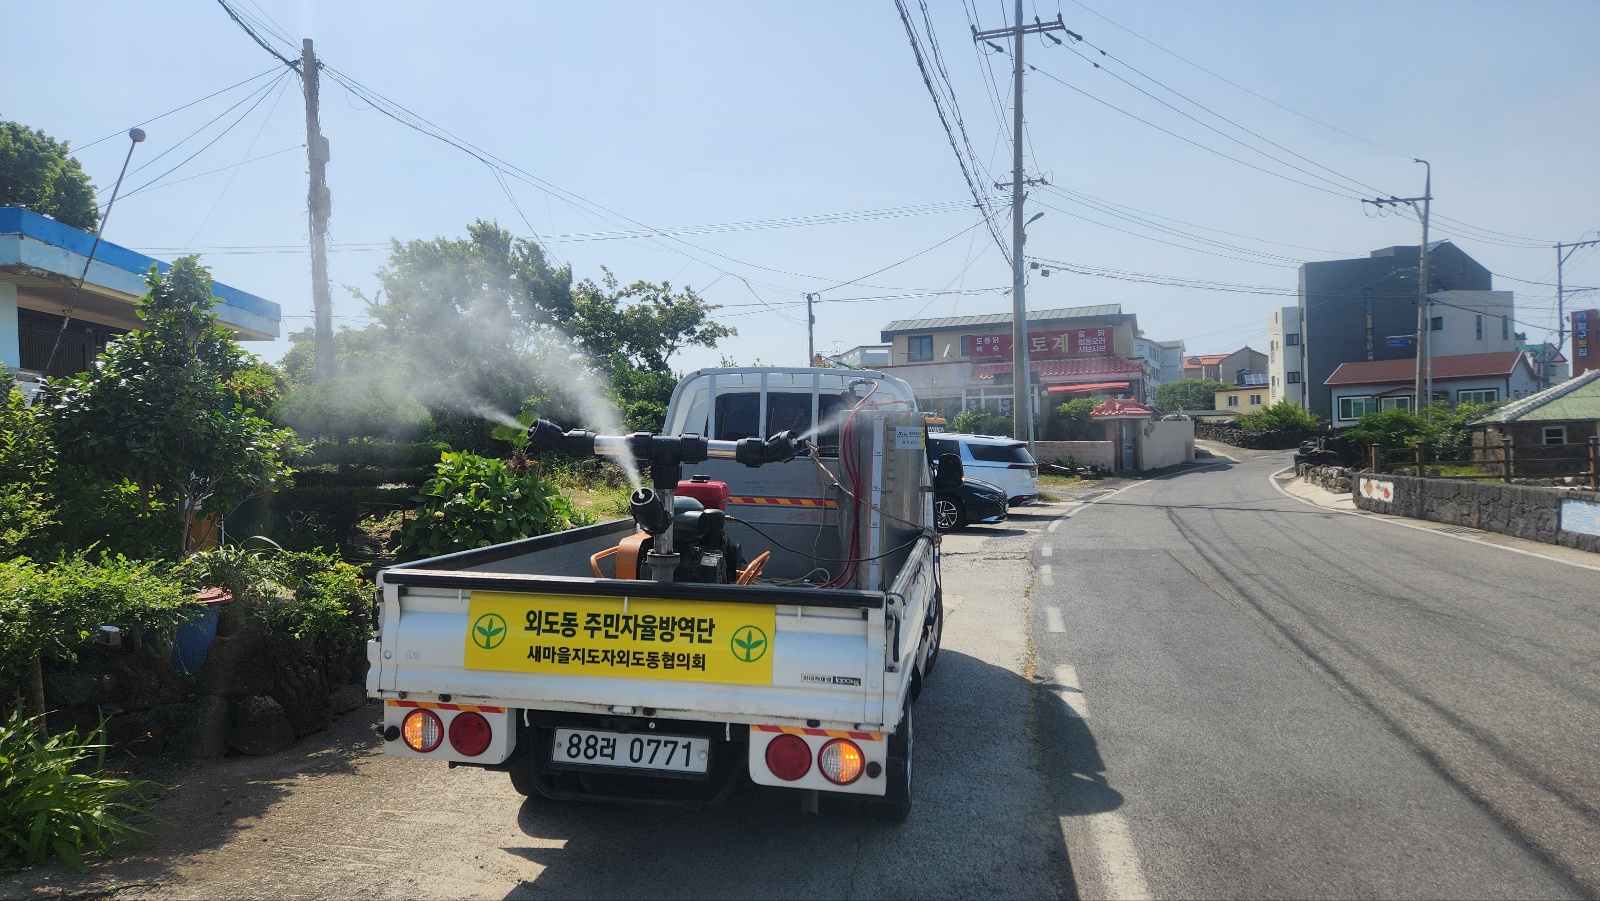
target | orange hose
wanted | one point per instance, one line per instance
(749, 573)
(594, 561)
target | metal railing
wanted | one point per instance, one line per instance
(1503, 461)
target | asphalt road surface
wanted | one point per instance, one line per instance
(1194, 687)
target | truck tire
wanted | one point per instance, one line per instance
(935, 638)
(522, 781)
(896, 804)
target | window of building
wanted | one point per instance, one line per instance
(1402, 402)
(1505, 328)
(1255, 400)
(1436, 323)
(1274, 381)
(919, 348)
(965, 348)
(1479, 324)
(1233, 400)
(1351, 408)
(1555, 434)
(1294, 378)
(1479, 396)
(1291, 340)
(1273, 345)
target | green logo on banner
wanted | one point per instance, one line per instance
(749, 644)
(489, 631)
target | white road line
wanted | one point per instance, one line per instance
(1053, 621)
(1117, 864)
(1045, 574)
(1069, 692)
(1046, 551)
(1056, 524)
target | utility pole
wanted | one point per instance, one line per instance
(1561, 305)
(811, 332)
(1021, 373)
(319, 203)
(1424, 389)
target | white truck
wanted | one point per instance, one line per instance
(769, 611)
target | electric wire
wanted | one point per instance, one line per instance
(179, 181)
(144, 122)
(235, 174)
(234, 15)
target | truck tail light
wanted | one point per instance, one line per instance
(789, 757)
(1032, 468)
(841, 761)
(470, 734)
(422, 731)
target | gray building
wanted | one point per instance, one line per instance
(1366, 309)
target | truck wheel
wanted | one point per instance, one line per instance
(896, 804)
(522, 781)
(935, 633)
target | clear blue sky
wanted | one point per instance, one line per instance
(700, 114)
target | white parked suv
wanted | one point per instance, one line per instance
(1002, 461)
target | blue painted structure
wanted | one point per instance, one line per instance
(40, 256)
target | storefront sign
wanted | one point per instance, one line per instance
(1044, 345)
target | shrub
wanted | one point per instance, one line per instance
(1282, 416)
(475, 501)
(1071, 421)
(1389, 429)
(55, 801)
(27, 461)
(307, 595)
(979, 422)
(1188, 394)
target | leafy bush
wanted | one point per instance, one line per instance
(1282, 416)
(50, 610)
(979, 422)
(475, 501)
(56, 800)
(1071, 421)
(27, 461)
(344, 408)
(305, 594)
(1390, 429)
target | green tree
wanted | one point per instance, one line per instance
(158, 418)
(1188, 394)
(475, 501)
(37, 173)
(27, 462)
(1282, 416)
(979, 422)
(1073, 423)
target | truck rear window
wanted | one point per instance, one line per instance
(1001, 453)
(739, 413)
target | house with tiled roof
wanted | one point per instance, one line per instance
(958, 363)
(1566, 414)
(1372, 385)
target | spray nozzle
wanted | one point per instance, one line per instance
(647, 511)
(547, 436)
(780, 448)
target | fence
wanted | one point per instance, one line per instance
(1504, 461)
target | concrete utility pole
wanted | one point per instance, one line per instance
(1021, 373)
(811, 332)
(319, 202)
(1561, 307)
(1424, 389)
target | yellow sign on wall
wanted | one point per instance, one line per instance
(685, 641)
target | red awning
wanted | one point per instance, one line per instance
(1093, 386)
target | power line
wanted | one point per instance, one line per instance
(179, 181)
(235, 174)
(179, 109)
(919, 253)
(234, 15)
(231, 126)
(1111, 206)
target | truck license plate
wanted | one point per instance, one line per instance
(673, 753)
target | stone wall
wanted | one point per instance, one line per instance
(1524, 511)
(1329, 478)
(1238, 437)
(1099, 454)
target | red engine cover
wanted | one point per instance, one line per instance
(712, 494)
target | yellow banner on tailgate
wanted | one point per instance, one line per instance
(686, 641)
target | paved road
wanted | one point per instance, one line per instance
(1196, 687)
(1266, 699)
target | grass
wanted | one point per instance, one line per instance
(600, 502)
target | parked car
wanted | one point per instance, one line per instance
(1000, 461)
(976, 501)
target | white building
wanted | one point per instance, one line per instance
(1285, 365)
(1471, 322)
(1163, 363)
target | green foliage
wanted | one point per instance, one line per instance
(158, 422)
(1282, 416)
(1389, 429)
(56, 800)
(345, 408)
(1452, 425)
(475, 501)
(1188, 394)
(641, 396)
(37, 173)
(1071, 421)
(979, 422)
(308, 595)
(50, 610)
(27, 461)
